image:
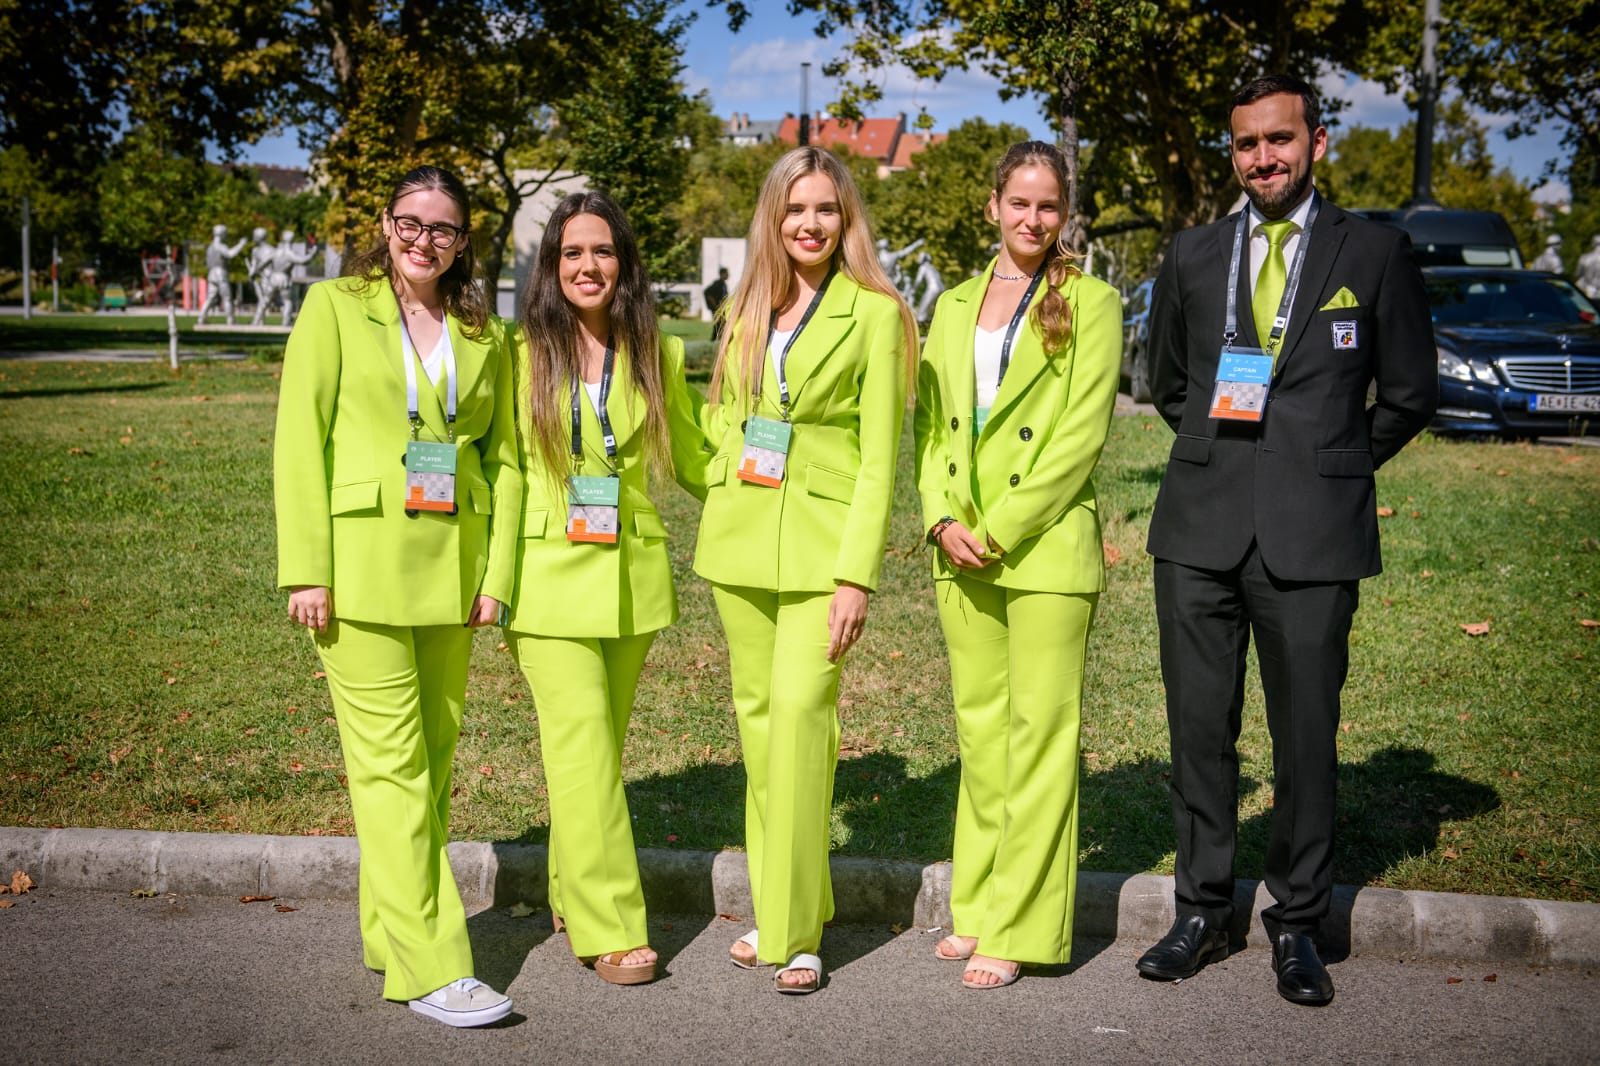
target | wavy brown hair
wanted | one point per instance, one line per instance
(1051, 314)
(462, 295)
(768, 281)
(550, 327)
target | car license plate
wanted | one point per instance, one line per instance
(1565, 401)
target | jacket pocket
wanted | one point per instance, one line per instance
(354, 497)
(1344, 462)
(482, 499)
(717, 471)
(1191, 449)
(648, 524)
(829, 484)
(533, 523)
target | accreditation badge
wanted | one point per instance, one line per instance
(980, 418)
(766, 451)
(592, 511)
(430, 477)
(1243, 377)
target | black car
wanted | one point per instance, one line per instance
(1519, 352)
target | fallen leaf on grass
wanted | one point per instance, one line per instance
(486, 771)
(320, 674)
(1386, 512)
(1427, 573)
(1589, 623)
(1474, 629)
(257, 899)
(296, 767)
(1113, 554)
(1463, 716)
(1450, 853)
(117, 756)
(520, 910)
(281, 909)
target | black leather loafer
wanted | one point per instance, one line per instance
(1190, 944)
(1301, 976)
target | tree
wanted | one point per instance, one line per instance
(1372, 168)
(1062, 44)
(942, 199)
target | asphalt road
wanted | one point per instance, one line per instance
(94, 977)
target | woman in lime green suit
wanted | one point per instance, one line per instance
(396, 480)
(808, 397)
(1015, 392)
(601, 405)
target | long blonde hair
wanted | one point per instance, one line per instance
(768, 280)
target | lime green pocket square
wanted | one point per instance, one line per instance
(1341, 299)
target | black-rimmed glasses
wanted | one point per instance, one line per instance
(440, 234)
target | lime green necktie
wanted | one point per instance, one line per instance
(1269, 283)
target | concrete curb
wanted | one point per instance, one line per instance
(1136, 907)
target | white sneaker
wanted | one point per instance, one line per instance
(463, 1004)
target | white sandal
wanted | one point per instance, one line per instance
(801, 961)
(749, 939)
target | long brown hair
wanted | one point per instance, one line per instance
(459, 289)
(768, 280)
(1051, 314)
(550, 327)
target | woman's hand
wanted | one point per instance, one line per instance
(962, 548)
(847, 617)
(311, 606)
(485, 612)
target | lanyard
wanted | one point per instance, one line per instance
(408, 352)
(600, 409)
(1230, 329)
(1011, 330)
(783, 357)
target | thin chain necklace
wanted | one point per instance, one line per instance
(1010, 277)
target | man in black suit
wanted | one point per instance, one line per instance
(1267, 516)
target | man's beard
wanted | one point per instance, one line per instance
(1276, 204)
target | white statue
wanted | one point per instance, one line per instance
(890, 261)
(1550, 258)
(1588, 273)
(218, 289)
(930, 284)
(260, 256)
(277, 283)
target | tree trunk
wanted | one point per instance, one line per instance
(1067, 122)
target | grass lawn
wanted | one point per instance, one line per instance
(154, 682)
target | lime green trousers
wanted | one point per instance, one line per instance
(1016, 667)
(785, 692)
(583, 693)
(398, 693)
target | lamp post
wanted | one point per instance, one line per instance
(805, 104)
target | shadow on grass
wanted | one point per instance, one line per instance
(88, 390)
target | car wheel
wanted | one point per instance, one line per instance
(1139, 386)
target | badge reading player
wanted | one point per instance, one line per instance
(430, 476)
(1243, 377)
(766, 451)
(592, 513)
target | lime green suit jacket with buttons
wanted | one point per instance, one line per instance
(339, 465)
(829, 520)
(1026, 481)
(574, 589)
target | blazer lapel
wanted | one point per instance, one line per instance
(958, 333)
(1027, 360)
(828, 326)
(1327, 236)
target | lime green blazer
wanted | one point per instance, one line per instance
(572, 589)
(1026, 480)
(339, 465)
(828, 522)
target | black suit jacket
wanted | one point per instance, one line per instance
(1299, 483)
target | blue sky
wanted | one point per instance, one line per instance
(757, 71)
